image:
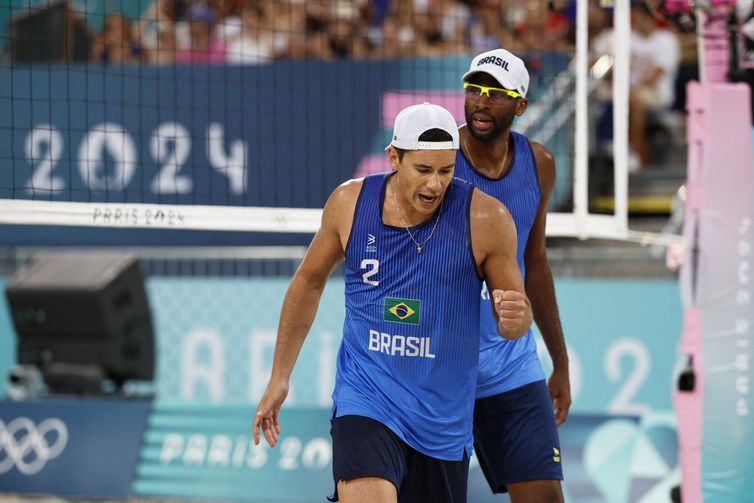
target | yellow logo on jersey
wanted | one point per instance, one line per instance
(555, 455)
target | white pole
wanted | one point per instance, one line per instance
(621, 68)
(702, 60)
(581, 140)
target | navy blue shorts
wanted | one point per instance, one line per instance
(515, 437)
(363, 447)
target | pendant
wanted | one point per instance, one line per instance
(419, 248)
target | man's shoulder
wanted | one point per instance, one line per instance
(545, 165)
(491, 223)
(342, 201)
(348, 190)
(485, 207)
(537, 148)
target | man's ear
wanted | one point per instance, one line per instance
(392, 157)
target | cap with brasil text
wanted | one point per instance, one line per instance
(413, 121)
(507, 69)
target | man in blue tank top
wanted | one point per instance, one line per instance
(417, 245)
(515, 429)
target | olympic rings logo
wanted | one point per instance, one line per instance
(29, 447)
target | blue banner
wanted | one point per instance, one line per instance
(609, 459)
(215, 338)
(282, 135)
(83, 448)
(222, 352)
(208, 453)
(268, 135)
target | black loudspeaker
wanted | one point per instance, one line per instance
(83, 311)
(47, 34)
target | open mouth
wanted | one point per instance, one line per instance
(427, 200)
(482, 123)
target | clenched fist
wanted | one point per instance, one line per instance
(513, 313)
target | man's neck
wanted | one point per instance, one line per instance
(492, 157)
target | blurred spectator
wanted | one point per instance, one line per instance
(393, 40)
(165, 50)
(429, 39)
(228, 23)
(116, 44)
(599, 22)
(158, 17)
(287, 21)
(254, 44)
(255, 31)
(343, 26)
(227, 9)
(486, 29)
(204, 47)
(455, 18)
(688, 69)
(542, 25)
(536, 25)
(655, 57)
(398, 34)
(600, 36)
(745, 15)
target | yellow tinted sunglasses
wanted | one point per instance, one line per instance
(476, 91)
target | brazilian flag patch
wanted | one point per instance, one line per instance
(402, 310)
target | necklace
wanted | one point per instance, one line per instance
(419, 246)
(502, 164)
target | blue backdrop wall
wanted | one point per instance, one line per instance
(215, 339)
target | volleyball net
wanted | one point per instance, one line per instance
(244, 116)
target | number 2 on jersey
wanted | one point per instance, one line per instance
(372, 266)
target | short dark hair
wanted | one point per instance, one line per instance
(430, 135)
(643, 8)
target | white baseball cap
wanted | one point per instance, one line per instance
(507, 69)
(413, 121)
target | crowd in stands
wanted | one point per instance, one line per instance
(257, 31)
(248, 32)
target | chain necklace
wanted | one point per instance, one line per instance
(502, 164)
(419, 246)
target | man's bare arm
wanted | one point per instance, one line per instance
(540, 289)
(301, 301)
(493, 235)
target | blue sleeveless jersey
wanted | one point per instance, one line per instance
(410, 345)
(505, 365)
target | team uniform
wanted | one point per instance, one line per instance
(516, 438)
(407, 365)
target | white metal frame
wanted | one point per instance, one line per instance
(581, 223)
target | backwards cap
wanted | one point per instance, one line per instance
(415, 120)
